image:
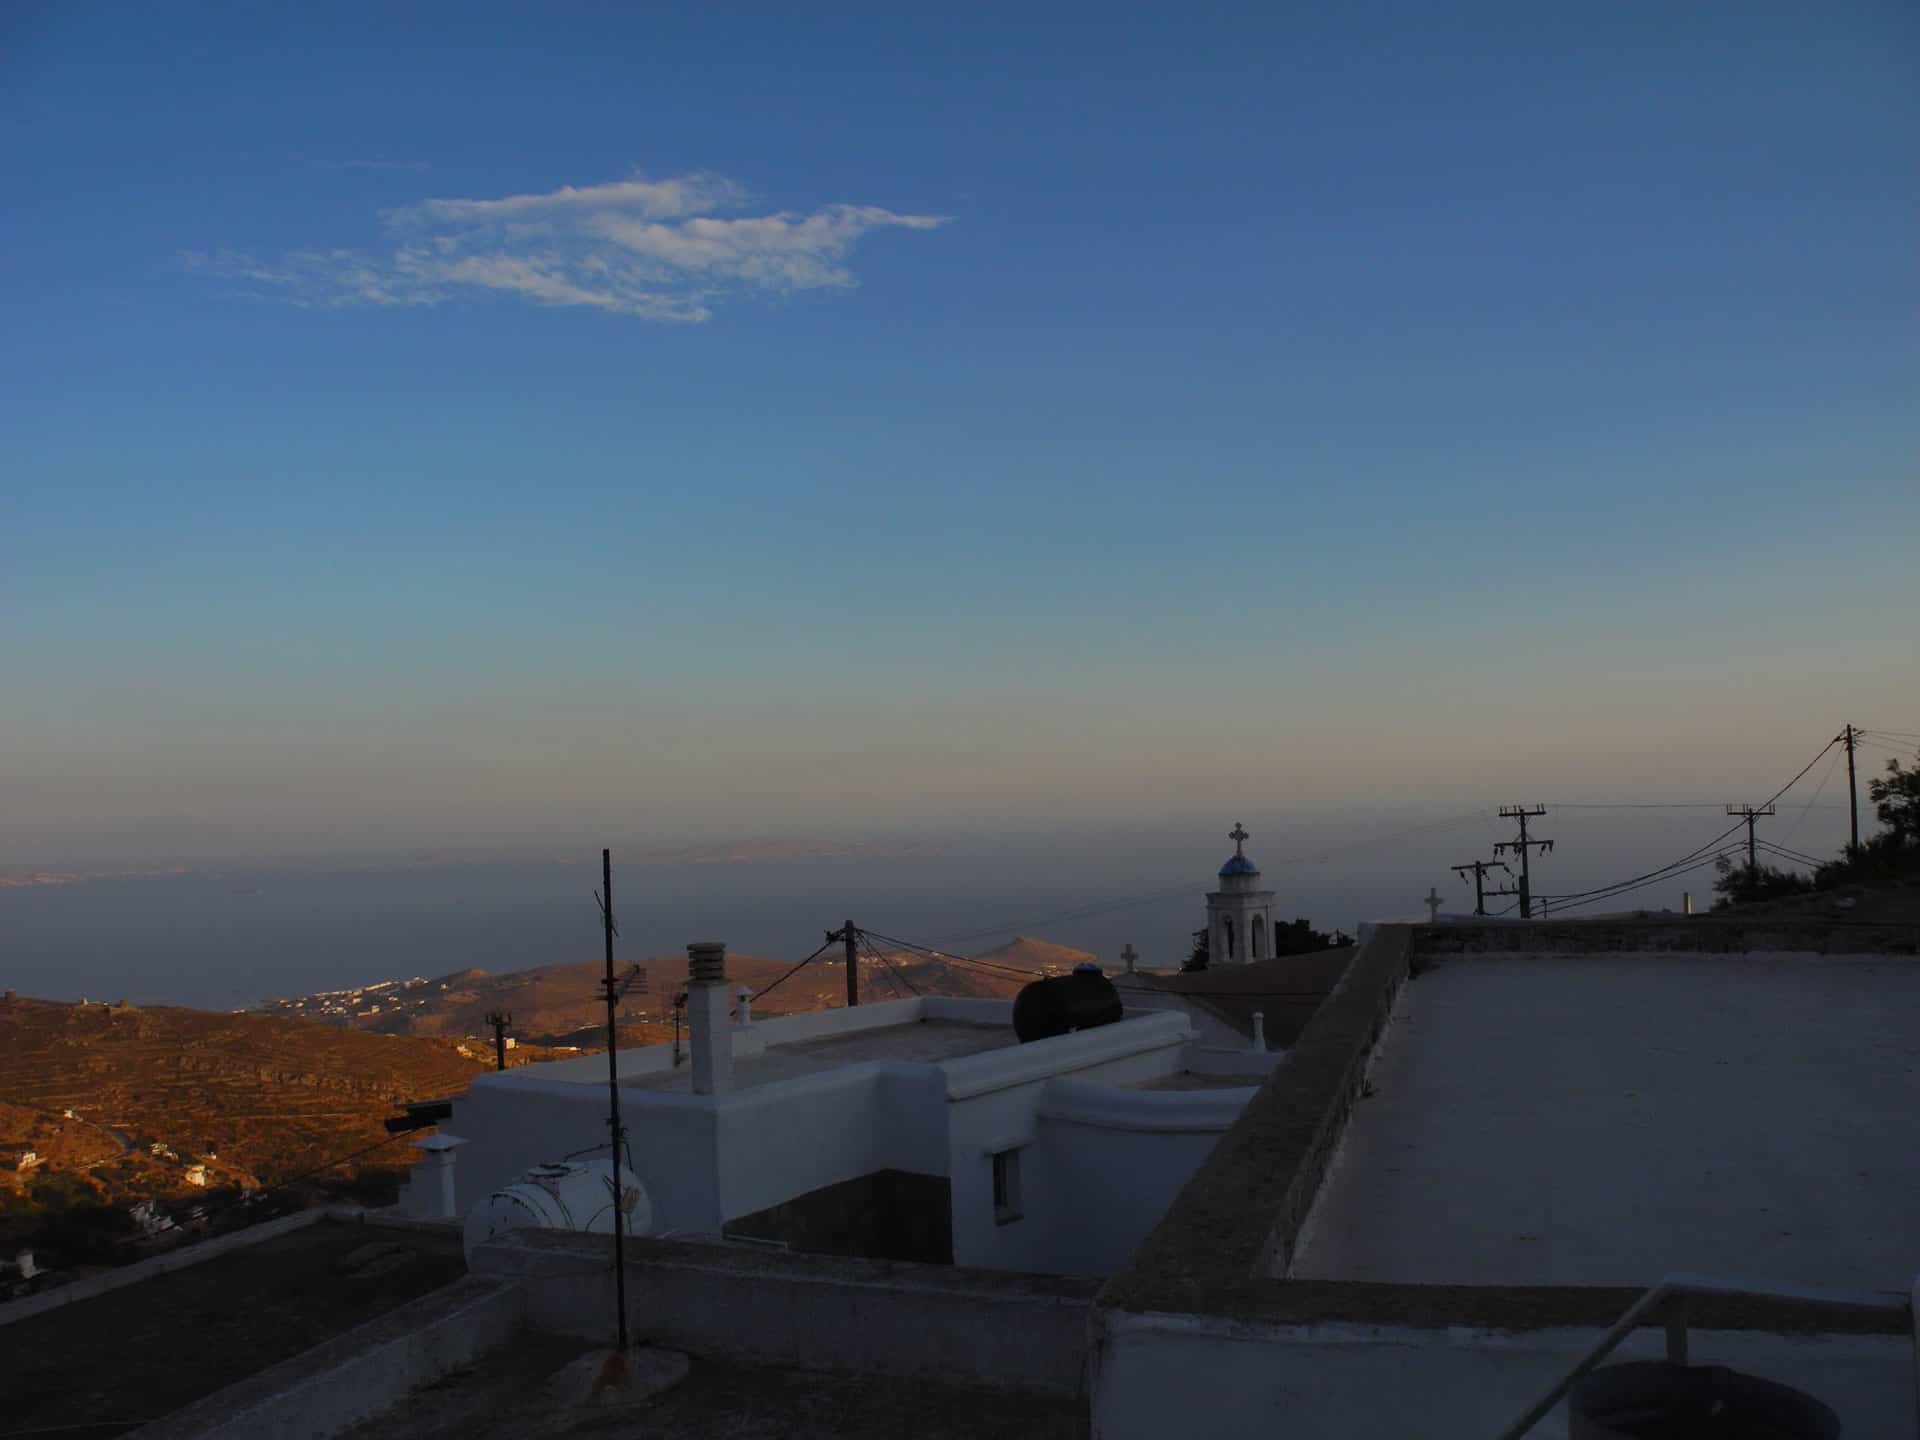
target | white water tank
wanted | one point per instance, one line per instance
(576, 1195)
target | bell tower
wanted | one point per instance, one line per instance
(1239, 913)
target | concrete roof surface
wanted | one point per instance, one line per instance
(504, 1398)
(105, 1365)
(1604, 1119)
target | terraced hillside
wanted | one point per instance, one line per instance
(156, 1091)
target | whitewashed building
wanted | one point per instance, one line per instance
(912, 1129)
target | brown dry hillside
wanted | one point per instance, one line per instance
(561, 1004)
(255, 1098)
(1042, 957)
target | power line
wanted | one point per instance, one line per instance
(1635, 805)
(893, 971)
(948, 957)
(1825, 776)
(1672, 873)
(1798, 857)
(1638, 805)
(796, 969)
(1580, 896)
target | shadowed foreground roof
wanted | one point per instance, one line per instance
(1286, 990)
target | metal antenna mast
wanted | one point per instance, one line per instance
(619, 1147)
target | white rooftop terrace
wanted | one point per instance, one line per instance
(1604, 1119)
(915, 1039)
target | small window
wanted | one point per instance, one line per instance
(1006, 1187)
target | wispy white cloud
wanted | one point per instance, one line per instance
(655, 249)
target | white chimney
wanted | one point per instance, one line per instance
(707, 1027)
(1259, 1032)
(743, 1011)
(430, 1189)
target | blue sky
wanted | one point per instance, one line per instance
(918, 419)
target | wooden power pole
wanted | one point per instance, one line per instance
(1480, 869)
(1750, 814)
(849, 936)
(1522, 847)
(499, 1020)
(1853, 792)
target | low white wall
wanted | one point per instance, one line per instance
(997, 1100)
(868, 1317)
(1152, 1374)
(1109, 1163)
(781, 1141)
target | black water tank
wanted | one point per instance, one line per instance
(1060, 1003)
(1658, 1400)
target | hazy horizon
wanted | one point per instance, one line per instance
(467, 433)
(229, 934)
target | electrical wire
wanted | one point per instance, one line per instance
(1827, 775)
(948, 957)
(865, 952)
(1663, 873)
(893, 971)
(796, 969)
(1625, 887)
(1812, 862)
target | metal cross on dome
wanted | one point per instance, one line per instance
(1239, 835)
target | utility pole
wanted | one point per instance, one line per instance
(618, 1149)
(1853, 792)
(1480, 869)
(499, 1020)
(849, 934)
(1749, 814)
(1521, 847)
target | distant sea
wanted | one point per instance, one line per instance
(229, 936)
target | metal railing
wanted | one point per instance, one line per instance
(1668, 1300)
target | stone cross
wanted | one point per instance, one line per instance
(1239, 835)
(1433, 902)
(1127, 955)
